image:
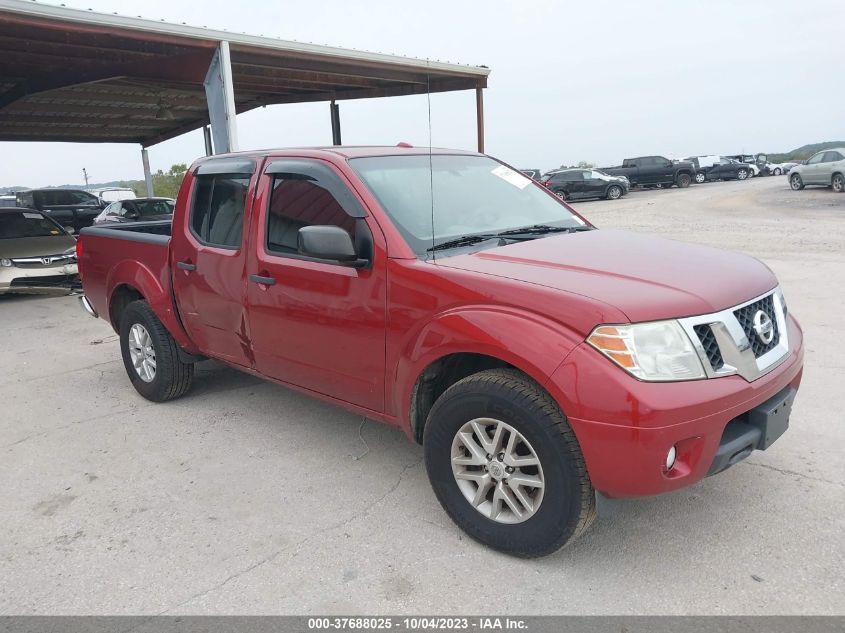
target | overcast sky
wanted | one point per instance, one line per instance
(570, 81)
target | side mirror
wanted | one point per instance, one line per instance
(70, 230)
(131, 215)
(328, 242)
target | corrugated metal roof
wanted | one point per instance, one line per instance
(72, 75)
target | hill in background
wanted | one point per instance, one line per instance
(804, 152)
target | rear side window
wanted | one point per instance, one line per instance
(217, 214)
(832, 157)
(298, 201)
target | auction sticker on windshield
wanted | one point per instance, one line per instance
(511, 176)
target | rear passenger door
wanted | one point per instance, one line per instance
(315, 323)
(208, 259)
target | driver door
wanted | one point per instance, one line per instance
(315, 323)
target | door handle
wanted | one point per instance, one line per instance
(186, 266)
(259, 279)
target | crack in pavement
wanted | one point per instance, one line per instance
(785, 471)
(295, 546)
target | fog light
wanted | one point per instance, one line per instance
(670, 458)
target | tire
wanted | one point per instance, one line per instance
(742, 174)
(700, 177)
(777, 171)
(614, 192)
(795, 182)
(683, 181)
(838, 183)
(141, 332)
(560, 194)
(563, 507)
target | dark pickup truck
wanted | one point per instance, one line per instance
(654, 170)
(535, 358)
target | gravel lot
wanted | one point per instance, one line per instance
(244, 497)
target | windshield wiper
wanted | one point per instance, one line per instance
(539, 229)
(467, 240)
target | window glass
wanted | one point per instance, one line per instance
(472, 194)
(587, 175)
(817, 158)
(297, 201)
(217, 214)
(147, 208)
(26, 224)
(113, 209)
(832, 157)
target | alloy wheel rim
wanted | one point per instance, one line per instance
(742, 175)
(837, 184)
(142, 353)
(615, 192)
(497, 471)
(699, 178)
(796, 182)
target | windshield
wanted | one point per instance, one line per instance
(26, 224)
(472, 195)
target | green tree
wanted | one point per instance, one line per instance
(165, 184)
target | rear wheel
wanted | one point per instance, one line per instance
(742, 174)
(778, 171)
(506, 466)
(560, 193)
(700, 177)
(838, 183)
(684, 180)
(614, 192)
(795, 182)
(151, 356)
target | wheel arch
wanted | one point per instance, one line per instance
(459, 344)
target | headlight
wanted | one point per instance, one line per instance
(649, 351)
(5, 262)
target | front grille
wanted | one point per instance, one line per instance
(745, 316)
(711, 347)
(55, 261)
(45, 281)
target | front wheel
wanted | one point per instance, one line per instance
(684, 180)
(838, 183)
(742, 174)
(151, 356)
(506, 466)
(795, 182)
(614, 192)
(778, 171)
(700, 177)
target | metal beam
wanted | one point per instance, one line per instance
(220, 95)
(335, 113)
(479, 117)
(148, 177)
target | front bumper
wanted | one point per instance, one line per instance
(36, 280)
(625, 427)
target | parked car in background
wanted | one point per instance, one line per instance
(756, 162)
(654, 170)
(723, 169)
(580, 184)
(144, 209)
(8, 201)
(775, 169)
(69, 207)
(787, 167)
(825, 168)
(536, 174)
(36, 253)
(114, 194)
(537, 359)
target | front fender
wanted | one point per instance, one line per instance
(157, 293)
(531, 343)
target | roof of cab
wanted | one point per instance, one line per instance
(342, 151)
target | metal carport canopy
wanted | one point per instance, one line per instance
(81, 76)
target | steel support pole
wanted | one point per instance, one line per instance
(335, 112)
(206, 134)
(148, 177)
(479, 117)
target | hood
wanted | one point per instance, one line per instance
(36, 246)
(647, 278)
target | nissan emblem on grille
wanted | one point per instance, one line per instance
(763, 327)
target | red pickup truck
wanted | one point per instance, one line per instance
(536, 359)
